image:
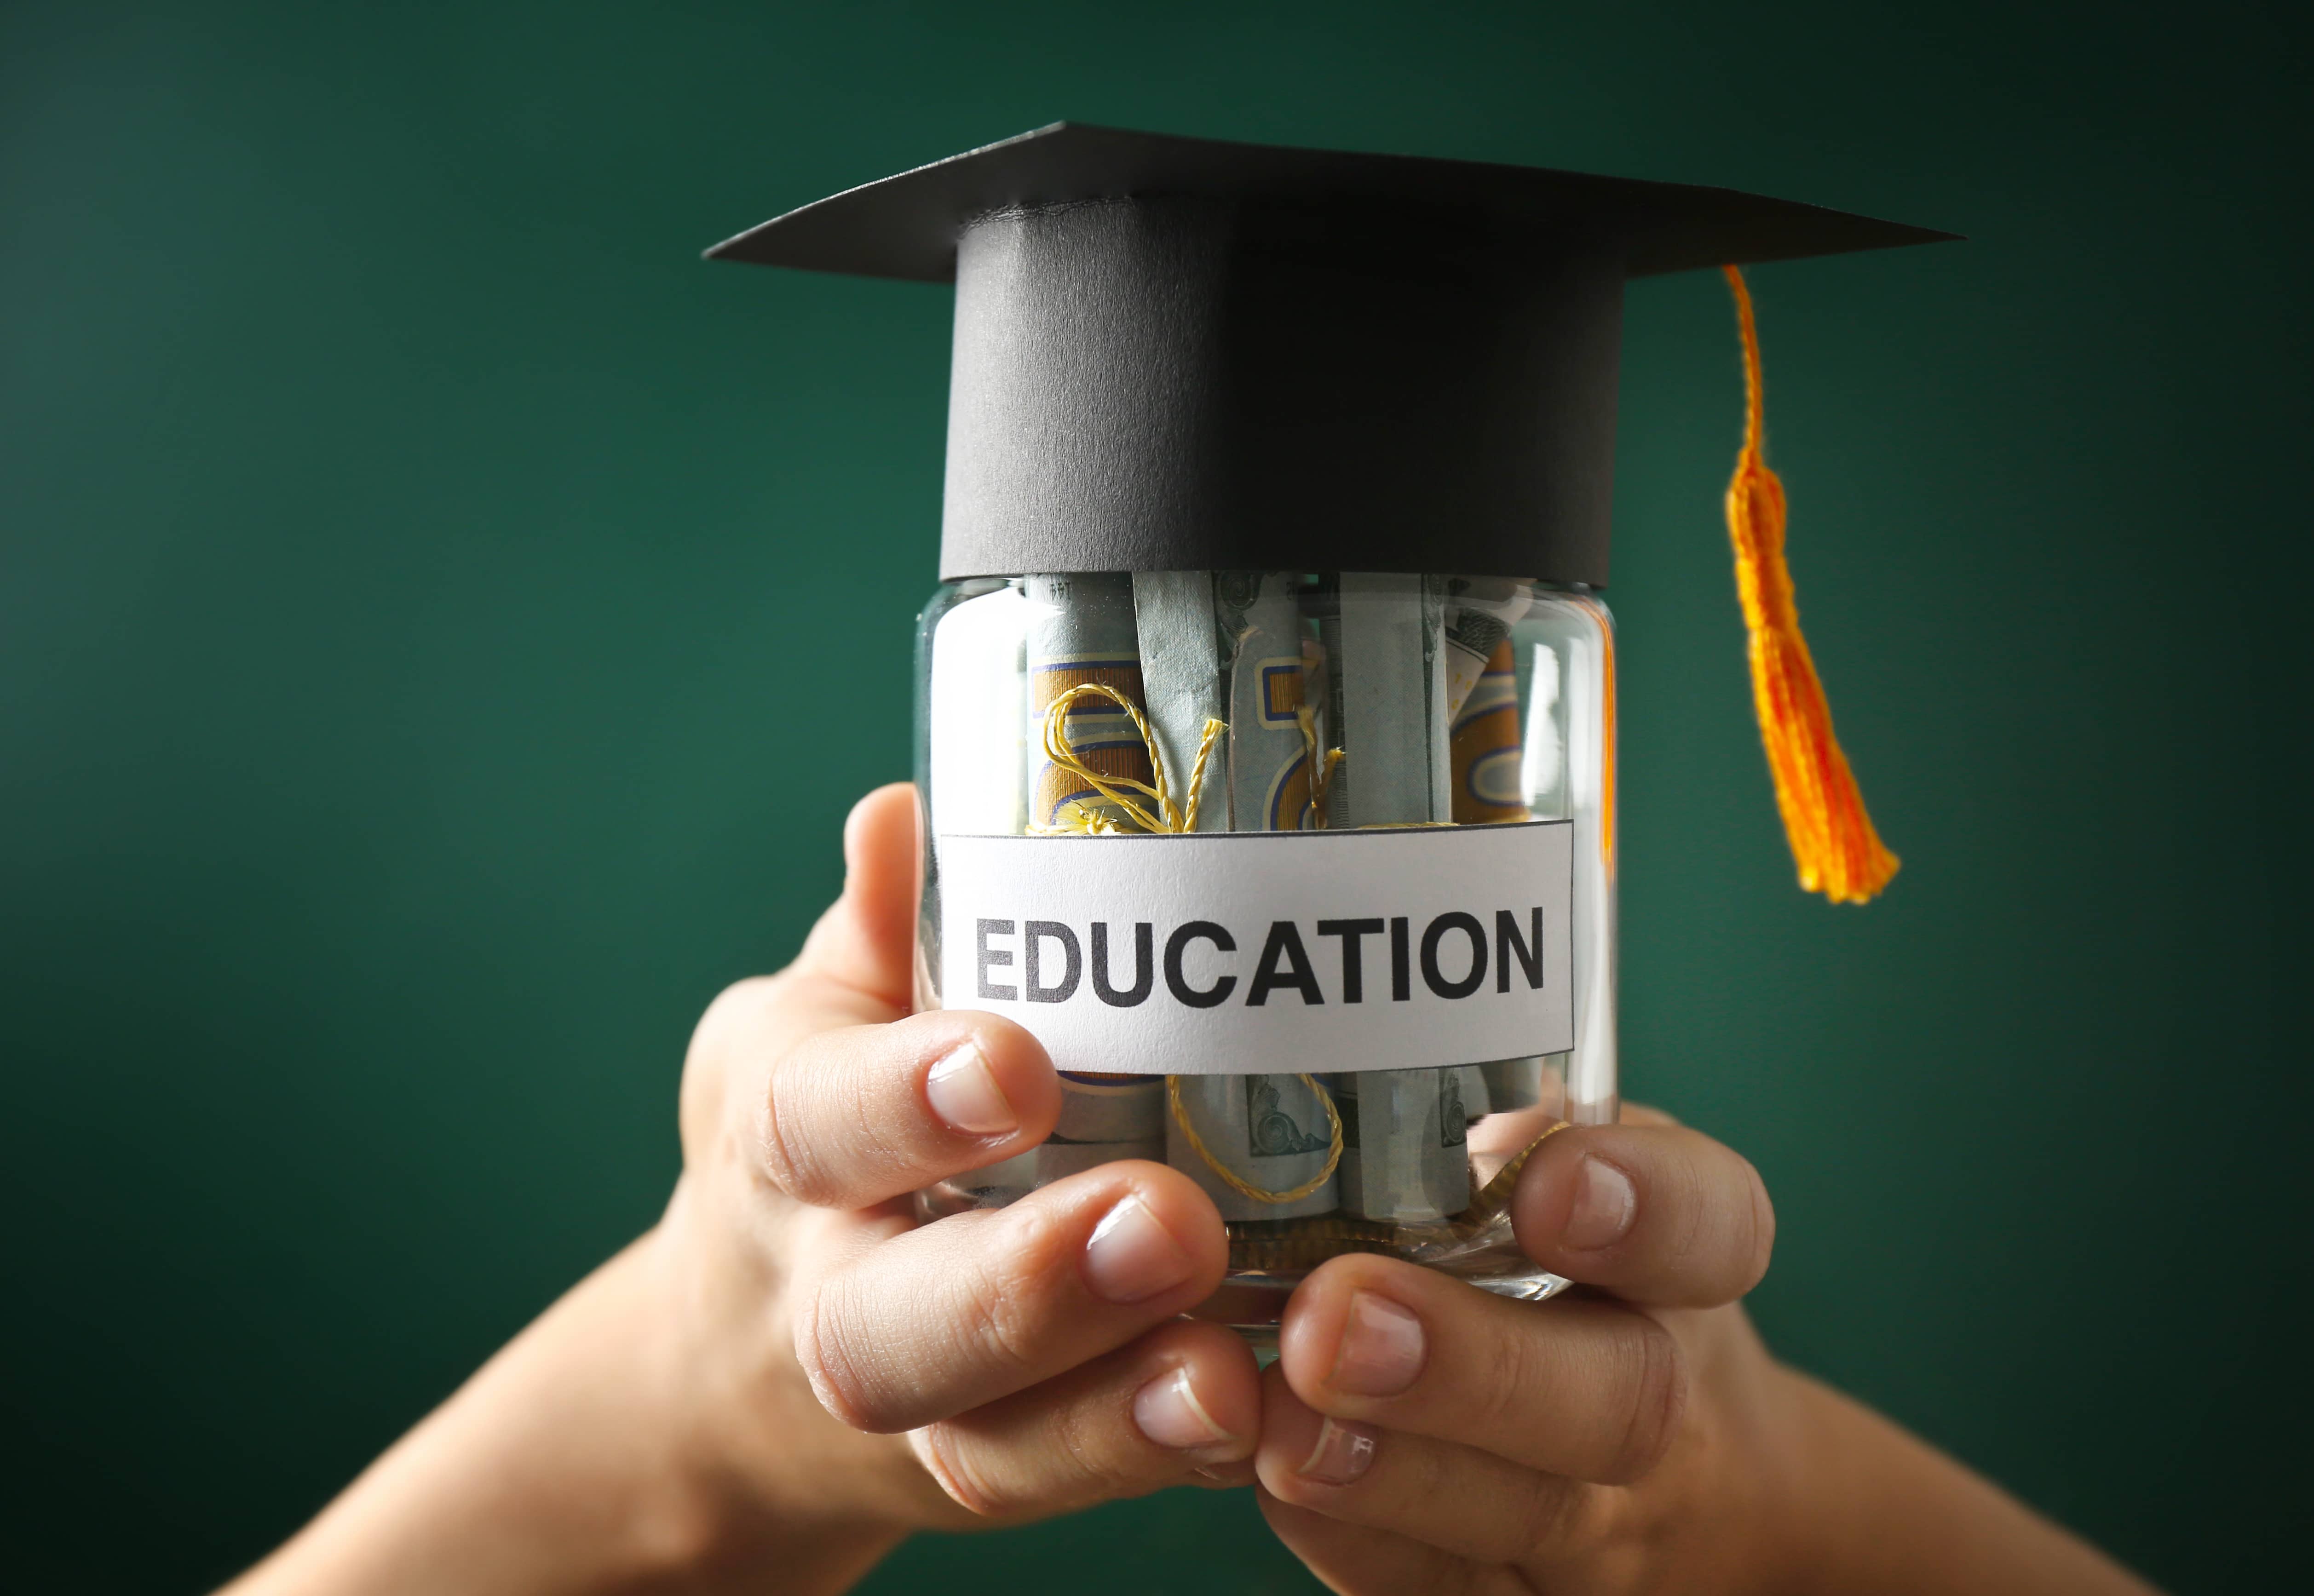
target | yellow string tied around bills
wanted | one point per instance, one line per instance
(1837, 852)
(1151, 806)
(1166, 816)
(1321, 772)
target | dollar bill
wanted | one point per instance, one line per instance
(1083, 628)
(1489, 758)
(1082, 631)
(1389, 653)
(1181, 679)
(1206, 643)
(1385, 638)
(1480, 611)
(1485, 749)
(1269, 656)
(1270, 1131)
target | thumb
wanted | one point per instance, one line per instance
(867, 938)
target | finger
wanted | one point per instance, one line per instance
(1656, 1215)
(1357, 1561)
(1184, 1397)
(1580, 1387)
(867, 938)
(940, 1319)
(1454, 1497)
(856, 968)
(851, 1116)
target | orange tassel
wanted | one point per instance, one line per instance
(1837, 852)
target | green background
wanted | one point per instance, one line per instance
(443, 622)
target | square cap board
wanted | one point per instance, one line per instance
(1180, 354)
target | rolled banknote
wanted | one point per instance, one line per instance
(1081, 631)
(1490, 761)
(1479, 613)
(1182, 681)
(1405, 1161)
(1081, 628)
(1485, 750)
(1271, 1131)
(1268, 655)
(1231, 648)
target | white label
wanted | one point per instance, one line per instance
(1267, 952)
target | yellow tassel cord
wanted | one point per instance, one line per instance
(1837, 852)
(1151, 806)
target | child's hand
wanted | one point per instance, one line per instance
(787, 1374)
(1633, 1435)
(1014, 1363)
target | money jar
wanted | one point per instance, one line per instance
(1265, 718)
(1305, 878)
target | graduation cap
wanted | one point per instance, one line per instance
(1181, 354)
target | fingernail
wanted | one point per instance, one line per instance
(1169, 1413)
(1131, 1257)
(1343, 1452)
(964, 1093)
(1382, 1348)
(1605, 1202)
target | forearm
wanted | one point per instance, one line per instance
(555, 1470)
(1877, 1510)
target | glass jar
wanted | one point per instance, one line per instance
(1468, 719)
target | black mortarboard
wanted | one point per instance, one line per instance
(1179, 354)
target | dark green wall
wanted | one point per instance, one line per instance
(442, 624)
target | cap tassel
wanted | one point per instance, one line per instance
(1837, 852)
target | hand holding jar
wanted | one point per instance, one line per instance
(789, 1373)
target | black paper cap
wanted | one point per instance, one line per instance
(1178, 354)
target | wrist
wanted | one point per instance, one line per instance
(1879, 1509)
(728, 1464)
(583, 1458)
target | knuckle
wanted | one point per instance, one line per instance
(1655, 1383)
(824, 1138)
(1514, 1374)
(823, 1353)
(945, 1457)
(1686, 1236)
(785, 1156)
(1001, 1308)
(1558, 1513)
(1075, 1435)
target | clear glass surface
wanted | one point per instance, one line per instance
(1454, 700)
